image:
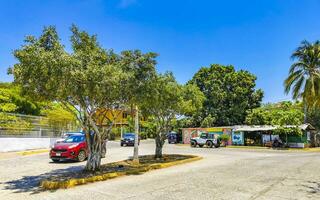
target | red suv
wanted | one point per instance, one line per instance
(72, 148)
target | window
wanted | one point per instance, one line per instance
(204, 135)
(211, 136)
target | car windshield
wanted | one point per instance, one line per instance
(128, 135)
(74, 139)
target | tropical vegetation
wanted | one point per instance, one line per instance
(303, 80)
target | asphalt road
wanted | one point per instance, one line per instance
(222, 174)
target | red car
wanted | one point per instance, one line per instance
(72, 148)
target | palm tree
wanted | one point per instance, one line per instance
(304, 78)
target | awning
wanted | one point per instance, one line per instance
(270, 127)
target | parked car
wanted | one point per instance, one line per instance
(128, 139)
(207, 139)
(172, 138)
(73, 147)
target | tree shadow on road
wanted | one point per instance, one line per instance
(313, 187)
(31, 183)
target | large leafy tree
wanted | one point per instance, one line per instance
(283, 113)
(304, 78)
(164, 100)
(87, 79)
(278, 114)
(229, 94)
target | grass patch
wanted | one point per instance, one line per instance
(115, 169)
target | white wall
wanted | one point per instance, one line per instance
(20, 144)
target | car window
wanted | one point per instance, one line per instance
(203, 136)
(129, 135)
(74, 139)
(211, 136)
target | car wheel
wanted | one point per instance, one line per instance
(121, 144)
(55, 160)
(81, 156)
(209, 144)
(193, 143)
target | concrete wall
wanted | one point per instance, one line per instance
(20, 144)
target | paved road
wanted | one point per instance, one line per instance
(222, 174)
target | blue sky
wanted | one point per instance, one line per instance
(258, 36)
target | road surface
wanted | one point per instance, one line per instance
(221, 174)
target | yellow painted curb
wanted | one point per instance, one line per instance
(247, 147)
(26, 153)
(53, 185)
(269, 148)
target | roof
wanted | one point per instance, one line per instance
(270, 127)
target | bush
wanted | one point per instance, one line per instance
(224, 137)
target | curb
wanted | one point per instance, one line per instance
(26, 153)
(53, 185)
(270, 148)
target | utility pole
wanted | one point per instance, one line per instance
(305, 110)
(136, 138)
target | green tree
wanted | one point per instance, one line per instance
(303, 79)
(283, 113)
(141, 68)
(229, 94)
(208, 121)
(164, 100)
(12, 100)
(87, 79)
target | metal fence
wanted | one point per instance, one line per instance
(37, 127)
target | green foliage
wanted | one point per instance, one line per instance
(148, 129)
(229, 94)
(224, 137)
(283, 113)
(11, 100)
(141, 69)
(11, 122)
(58, 118)
(287, 131)
(208, 121)
(313, 117)
(185, 122)
(304, 78)
(85, 80)
(164, 99)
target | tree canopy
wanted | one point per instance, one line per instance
(229, 94)
(88, 79)
(283, 113)
(304, 78)
(164, 100)
(11, 100)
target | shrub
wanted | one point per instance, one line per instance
(224, 138)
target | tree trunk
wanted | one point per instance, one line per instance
(94, 144)
(159, 145)
(305, 110)
(136, 138)
(94, 159)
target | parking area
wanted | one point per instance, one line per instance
(222, 174)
